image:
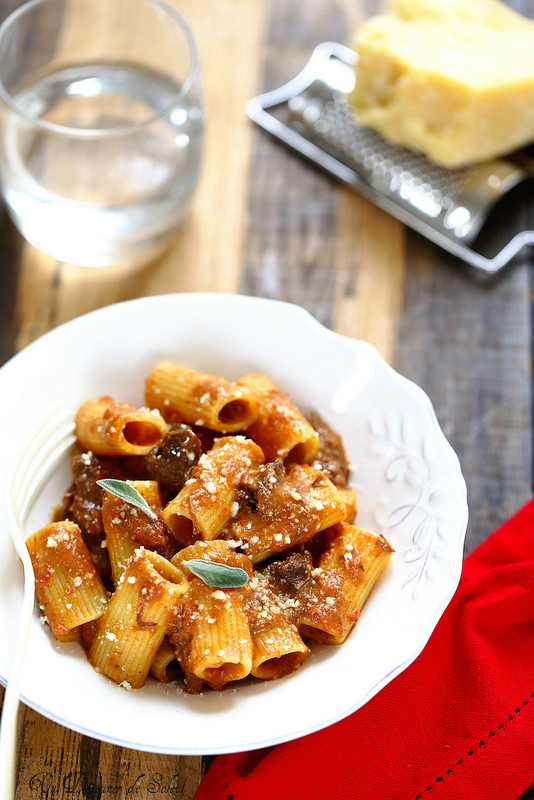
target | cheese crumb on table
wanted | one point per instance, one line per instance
(453, 79)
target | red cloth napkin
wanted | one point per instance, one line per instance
(457, 723)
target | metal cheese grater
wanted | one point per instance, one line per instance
(447, 206)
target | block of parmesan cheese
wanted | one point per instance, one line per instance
(453, 79)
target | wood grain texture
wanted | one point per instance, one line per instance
(265, 222)
(206, 255)
(311, 241)
(207, 249)
(60, 763)
(468, 346)
(370, 275)
(10, 249)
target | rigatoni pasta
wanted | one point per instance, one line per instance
(280, 428)
(348, 568)
(211, 634)
(164, 667)
(67, 585)
(277, 652)
(213, 641)
(208, 537)
(278, 648)
(135, 622)
(126, 528)
(107, 428)
(209, 499)
(301, 502)
(199, 399)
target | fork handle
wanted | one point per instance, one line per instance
(8, 721)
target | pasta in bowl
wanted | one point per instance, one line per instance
(408, 532)
(221, 540)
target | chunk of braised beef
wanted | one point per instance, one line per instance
(289, 576)
(82, 502)
(139, 528)
(256, 494)
(171, 460)
(291, 581)
(331, 456)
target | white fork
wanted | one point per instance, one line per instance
(41, 454)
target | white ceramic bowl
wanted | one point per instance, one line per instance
(408, 480)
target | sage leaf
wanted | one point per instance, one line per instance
(220, 576)
(125, 492)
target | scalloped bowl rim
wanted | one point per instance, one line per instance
(407, 476)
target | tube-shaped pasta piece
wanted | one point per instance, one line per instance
(351, 503)
(278, 648)
(199, 399)
(210, 497)
(277, 652)
(211, 636)
(108, 428)
(280, 429)
(162, 665)
(347, 571)
(127, 528)
(290, 510)
(213, 642)
(135, 622)
(67, 585)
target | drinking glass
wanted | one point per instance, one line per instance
(102, 126)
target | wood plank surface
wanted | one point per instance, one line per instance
(469, 346)
(206, 253)
(265, 222)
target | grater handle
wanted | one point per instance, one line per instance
(491, 266)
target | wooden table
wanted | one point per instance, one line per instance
(267, 223)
